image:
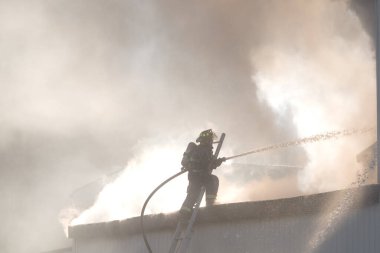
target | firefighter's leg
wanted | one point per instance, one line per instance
(193, 191)
(212, 187)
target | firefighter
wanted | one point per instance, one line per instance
(199, 161)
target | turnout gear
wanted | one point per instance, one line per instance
(197, 158)
(199, 161)
(198, 182)
(218, 162)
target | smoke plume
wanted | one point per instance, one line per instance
(302, 79)
(90, 86)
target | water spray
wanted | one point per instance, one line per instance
(306, 140)
(337, 214)
(267, 165)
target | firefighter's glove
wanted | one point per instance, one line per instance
(219, 161)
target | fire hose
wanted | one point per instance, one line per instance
(146, 202)
(310, 139)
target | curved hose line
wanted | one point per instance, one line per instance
(146, 202)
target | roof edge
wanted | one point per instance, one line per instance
(268, 209)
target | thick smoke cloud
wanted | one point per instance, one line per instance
(89, 85)
(326, 76)
(300, 73)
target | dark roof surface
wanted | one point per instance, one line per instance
(260, 210)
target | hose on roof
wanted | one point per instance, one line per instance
(146, 202)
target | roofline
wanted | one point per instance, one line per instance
(261, 210)
(62, 250)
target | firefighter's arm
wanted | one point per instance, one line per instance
(217, 162)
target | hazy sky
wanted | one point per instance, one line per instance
(89, 86)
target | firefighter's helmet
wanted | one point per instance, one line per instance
(207, 136)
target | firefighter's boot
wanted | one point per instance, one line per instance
(210, 200)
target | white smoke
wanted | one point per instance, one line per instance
(315, 68)
(66, 216)
(156, 160)
(323, 70)
(125, 196)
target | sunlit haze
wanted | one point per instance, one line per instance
(93, 87)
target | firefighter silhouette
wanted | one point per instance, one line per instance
(199, 161)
